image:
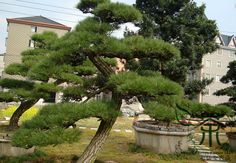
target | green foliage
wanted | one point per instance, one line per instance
(231, 90)
(73, 93)
(14, 83)
(48, 126)
(200, 110)
(194, 87)
(130, 83)
(27, 138)
(151, 48)
(7, 97)
(117, 12)
(134, 148)
(87, 6)
(93, 25)
(45, 40)
(36, 156)
(231, 74)
(182, 23)
(16, 69)
(160, 112)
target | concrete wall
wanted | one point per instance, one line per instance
(215, 66)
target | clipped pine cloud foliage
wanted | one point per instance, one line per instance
(50, 125)
(130, 83)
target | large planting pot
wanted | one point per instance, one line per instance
(162, 139)
(232, 139)
(6, 149)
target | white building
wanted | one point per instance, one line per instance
(215, 66)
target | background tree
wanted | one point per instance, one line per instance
(184, 24)
(91, 40)
(230, 91)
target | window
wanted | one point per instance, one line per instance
(219, 51)
(218, 63)
(31, 43)
(34, 29)
(207, 76)
(208, 63)
(217, 79)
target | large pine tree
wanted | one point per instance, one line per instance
(91, 42)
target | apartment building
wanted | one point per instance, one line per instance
(215, 66)
(20, 31)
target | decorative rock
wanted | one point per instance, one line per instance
(132, 107)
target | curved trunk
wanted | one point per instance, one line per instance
(24, 106)
(90, 153)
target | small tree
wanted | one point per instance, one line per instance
(230, 91)
(92, 40)
(19, 87)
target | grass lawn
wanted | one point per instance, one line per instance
(119, 147)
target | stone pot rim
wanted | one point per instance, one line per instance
(150, 126)
(159, 132)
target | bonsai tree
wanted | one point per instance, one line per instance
(26, 91)
(91, 40)
(27, 87)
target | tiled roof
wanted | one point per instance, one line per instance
(226, 39)
(39, 21)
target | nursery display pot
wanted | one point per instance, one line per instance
(232, 139)
(6, 149)
(162, 139)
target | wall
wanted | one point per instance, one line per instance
(215, 66)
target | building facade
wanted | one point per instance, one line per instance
(20, 31)
(214, 65)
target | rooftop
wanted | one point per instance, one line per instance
(226, 39)
(39, 21)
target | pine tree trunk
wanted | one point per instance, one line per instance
(90, 153)
(24, 106)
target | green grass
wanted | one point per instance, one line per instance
(120, 147)
(7, 112)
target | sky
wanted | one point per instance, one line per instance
(223, 11)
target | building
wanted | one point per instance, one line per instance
(215, 66)
(20, 31)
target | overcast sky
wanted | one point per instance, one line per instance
(223, 11)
